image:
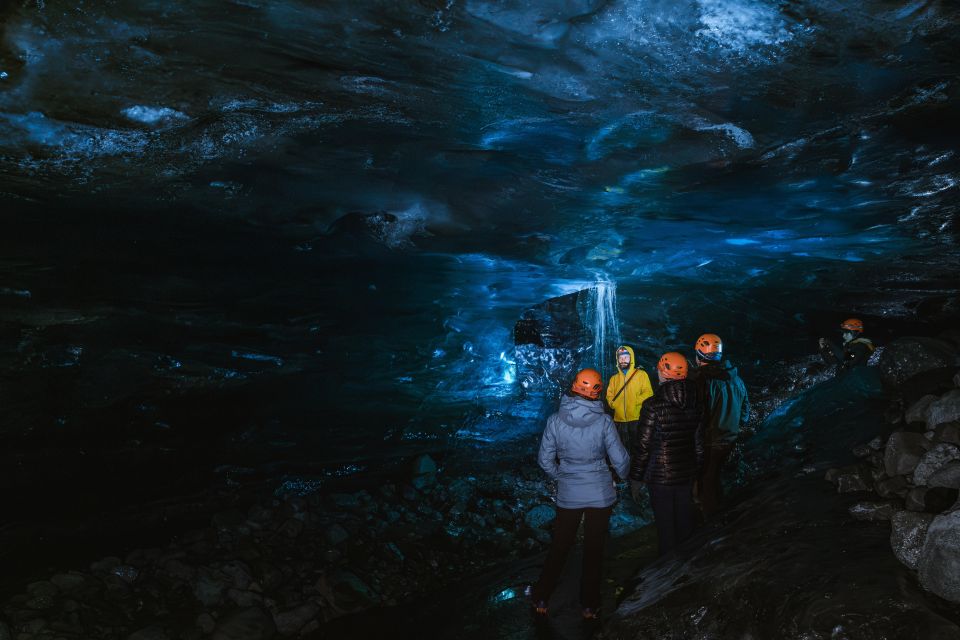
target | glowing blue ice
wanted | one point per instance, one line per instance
(506, 594)
(153, 115)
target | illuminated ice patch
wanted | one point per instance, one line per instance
(153, 115)
(740, 242)
(741, 24)
(740, 136)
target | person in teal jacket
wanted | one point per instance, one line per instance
(727, 407)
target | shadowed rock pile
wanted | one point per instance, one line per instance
(916, 470)
(287, 565)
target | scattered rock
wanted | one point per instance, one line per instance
(873, 511)
(907, 535)
(876, 444)
(891, 487)
(946, 476)
(290, 623)
(933, 460)
(540, 516)
(918, 410)
(245, 624)
(903, 452)
(851, 482)
(939, 562)
(948, 432)
(946, 409)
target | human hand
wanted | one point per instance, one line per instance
(822, 342)
(635, 486)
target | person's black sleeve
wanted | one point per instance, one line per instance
(641, 447)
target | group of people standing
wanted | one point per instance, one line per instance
(674, 440)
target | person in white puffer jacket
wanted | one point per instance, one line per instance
(577, 444)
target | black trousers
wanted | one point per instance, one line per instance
(672, 513)
(595, 525)
(710, 488)
(627, 432)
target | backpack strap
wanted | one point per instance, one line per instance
(635, 370)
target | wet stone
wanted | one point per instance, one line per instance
(934, 460)
(939, 563)
(907, 535)
(947, 476)
(539, 516)
(903, 452)
(872, 511)
(946, 409)
(948, 432)
(891, 487)
(290, 623)
(917, 413)
(852, 482)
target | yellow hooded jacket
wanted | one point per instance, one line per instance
(626, 407)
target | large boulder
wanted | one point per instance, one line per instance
(918, 410)
(948, 432)
(907, 533)
(539, 516)
(947, 476)
(939, 562)
(906, 357)
(903, 452)
(946, 409)
(933, 460)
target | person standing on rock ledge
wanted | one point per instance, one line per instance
(668, 452)
(726, 406)
(626, 391)
(577, 442)
(855, 351)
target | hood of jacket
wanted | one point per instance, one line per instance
(633, 360)
(675, 392)
(719, 371)
(579, 412)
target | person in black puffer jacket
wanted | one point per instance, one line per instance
(668, 452)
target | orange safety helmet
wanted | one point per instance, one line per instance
(709, 347)
(852, 324)
(588, 384)
(672, 366)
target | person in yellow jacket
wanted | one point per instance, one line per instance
(626, 391)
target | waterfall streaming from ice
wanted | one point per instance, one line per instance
(602, 319)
